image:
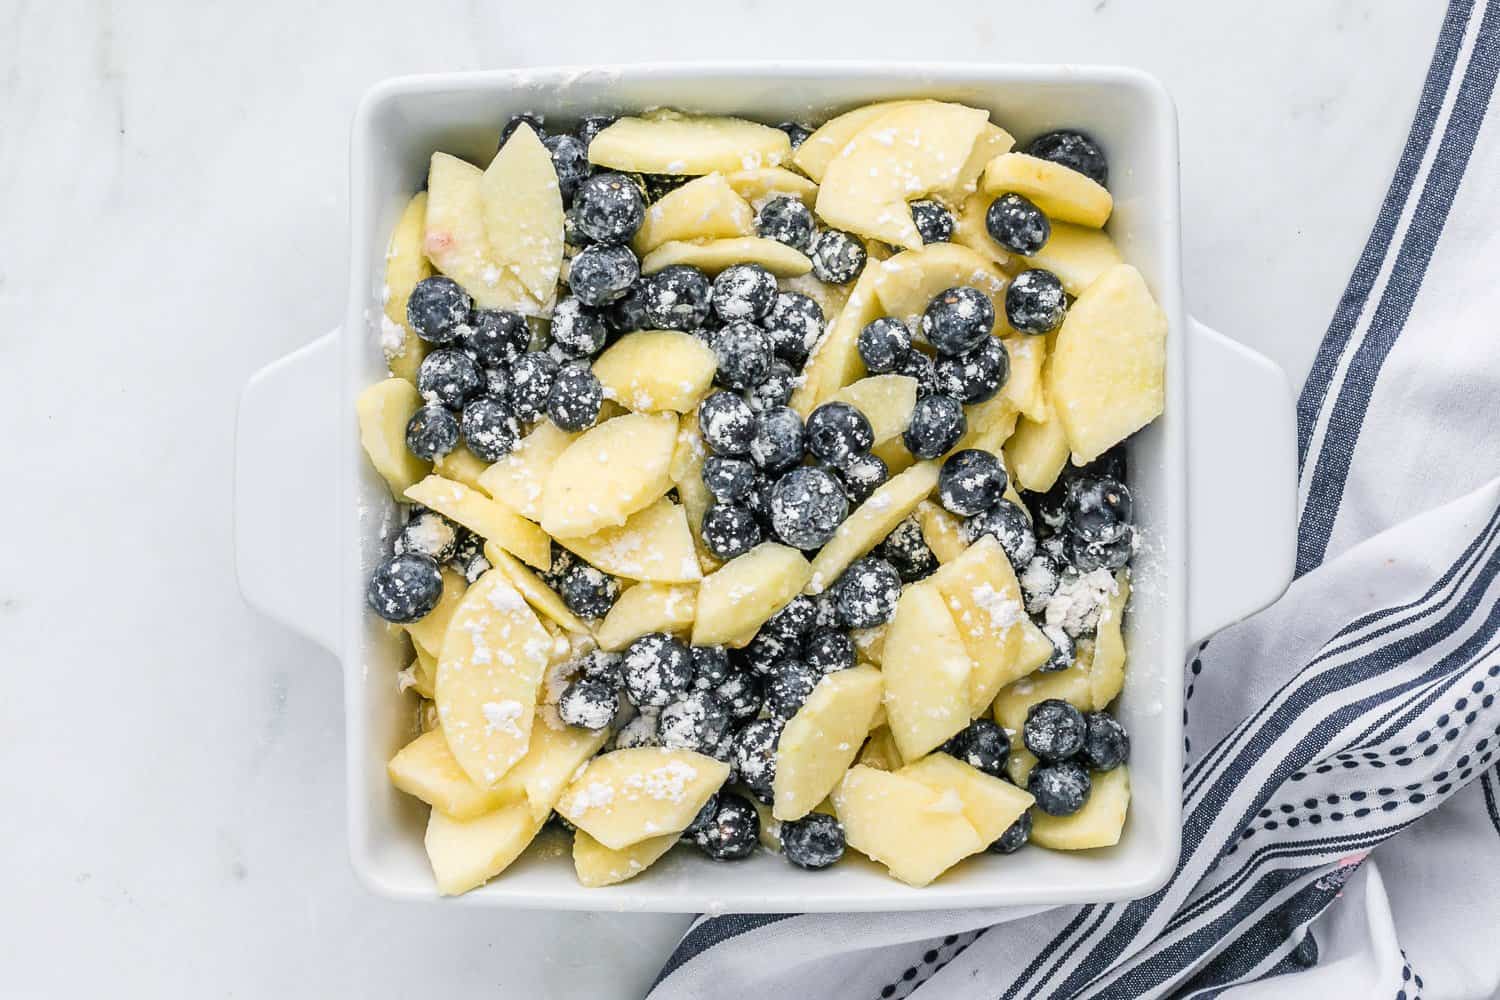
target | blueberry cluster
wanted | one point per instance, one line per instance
(1068, 745)
(407, 585)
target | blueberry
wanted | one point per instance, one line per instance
(937, 422)
(765, 653)
(837, 257)
(490, 429)
(533, 118)
(776, 390)
(759, 499)
(659, 186)
(640, 731)
(695, 720)
(1060, 789)
(755, 756)
(710, 667)
(828, 650)
(656, 669)
(1087, 557)
(795, 622)
(609, 208)
(786, 220)
(1106, 745)
(795, 131)
(1007, 522)
(1054, 730)
(730, 530)
(1035, 303)
(589, 703)
(744, 291)
(1074, 150)
(814, 841)
(428, 533)
(575, 399)
(807, 507)
(1017, 224)
(794, 326)
(531, 384)
(906, 550)
(449, 377)
(727, 423)
(733, 832)
(495, 336)
(591, 125)
(431, 432)
(827, 614)
(1039, 579)
(701, 822)
(572, 235)
(861, 476)
(1015, 836)
(588, 592)
(601, 274)
(958, 319)
(976, 375)
(778, 441)
(983, 745)
(561, 562)
(405, 588)
(577, 330)
(438, 309)
(744, 354)
(600, 665)
(727, 479)
(836, 432)
(628, 313)
(789, 686)
(1099, 509)
(570, 158)
(497, 384)
(741, 696)
(970, 481)
(468, 551)
(934, 222)
(915, 364)
(883, 343)
(677, 297)
(866, 593)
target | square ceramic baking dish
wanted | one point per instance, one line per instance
(1213, 478)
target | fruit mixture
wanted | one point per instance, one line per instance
(763, 487)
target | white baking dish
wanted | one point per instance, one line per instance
(1213, 478)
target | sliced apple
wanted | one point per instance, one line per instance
(705, 208)
(542, 598)
(830, 298)
(910, 280)
(1107, 668)
(523, 213)
(623, 797)
(384, 409)
(761, 184)
(989, 804)
(991, 423)
(871, 521)
(657, 370)
(927, 673)
(488, 675)
(869, 643)
(1098, 824)
(969, 230)
(1016, 698)
(1024, 388)
(1033, 649)
(713, 256)
(1106, 378)
(916, 832)
(835, 360)
(942, 531)
(645, 608)
(687, 476)
(456, 242)
(905, 154)
(420, 675)
(886, 401)
(556, 753)
(654, 544)
(609, 473)
(739, 597)
(487, 518)
(992, 142)
(1061, 192)
(895, 455)
(1019, 764)
(597, 865)
(687, 144)
(821, 740)
(427, 634)
(517, 480)
(880, 751)
(984, 599)
(1036, 454)
(1077, 255)
(462, 466)
(828, 140)
(425, 768)
(466, 854)
(405, 265)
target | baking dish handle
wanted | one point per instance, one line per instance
(1242, 481)
(286, 536)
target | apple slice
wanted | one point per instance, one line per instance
(1019, 764)
(989, 804)
(609, 473)
(687, 476)
(886, 401)
(905, 154)
(425, 768)
(1024, 388)
(1098, 824)
(679, 144)
(992, 142)
(910, 280)
(456, 242)
(427, 634)
(465, 854)
(1036, 454)
(835, 360)
(970, 231)
(762, 184)
(405, 265)
(927, 673)
(556, 753)
(420, 674)
(384, 409)
(1077, 255)
(462, 466)
(657, 370)
(821, 740)
(1106, 378)
(645, 608)
(517, 479)
(894, 454)
(487, 518)
(623, 797)
(1107, 669)
(984, 599)
(735, 600)
(830, 298)
(871, 521)
(1061, 192)
(942, 531)
(542, 598)
(880, 751)
(917, 833)
(1034, 649)
(597, 865)
(991, 423)
(654, 544)
(706, 208)
(828, 140)
(488, 674)
(869, 643)
(713, 256)
(523, 213)
(1016, 698)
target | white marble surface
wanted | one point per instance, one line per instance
(172, 216)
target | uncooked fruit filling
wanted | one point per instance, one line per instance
(763, 488)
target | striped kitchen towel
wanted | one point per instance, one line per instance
(1360, 707)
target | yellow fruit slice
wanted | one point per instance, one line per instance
(1098, 824)
(540, 596)
(871, 521)
(597, 865)
(942, 531)
(523, 213)
(487, 518)
(886, 401)
(910, 280)
(927, 673)
(706, 208)
(609, 473)
(989, 804)
(425, 768)
(556, 753)
(1016, 698)
(405, 265)
(1076, 254)
(835, 360)
(739, 597)
(456, 242)
(917, 833)
(657, 370)
(466, 854)
(384, 409)
(626, 796)
(828, 140)
(761, 184)
(645, 608)
(982, 595)
(880, 751)
(427, 634)
(821, 740)
(1061, 192)
(685, 144)
(517, 479)
(653, 544)
(713, 256)
(462, 466)
(1107, 669)
(1036, 454)
(992, 142)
